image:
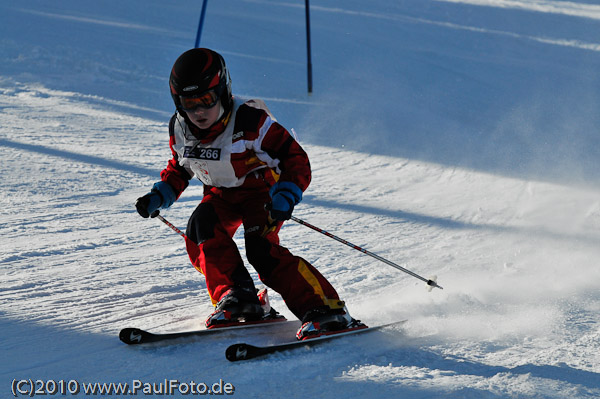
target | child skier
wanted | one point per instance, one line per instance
(254, 173)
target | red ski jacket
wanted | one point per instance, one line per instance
(247, 148)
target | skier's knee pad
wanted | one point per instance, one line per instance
(258, 252)
(201, 225)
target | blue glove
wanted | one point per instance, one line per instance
(162, 196)
(284, 196)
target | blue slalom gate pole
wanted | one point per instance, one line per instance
(199, 33)
(308, 56)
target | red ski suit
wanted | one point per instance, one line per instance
(238, 160)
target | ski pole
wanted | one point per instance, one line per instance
(430, 282)
(156, 214)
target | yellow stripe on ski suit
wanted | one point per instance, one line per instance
(314, 282)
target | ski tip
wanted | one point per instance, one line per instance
(132, 336)
(237, 352)
(243, 351)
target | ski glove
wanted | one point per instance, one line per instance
(162, 196)
(284, 196)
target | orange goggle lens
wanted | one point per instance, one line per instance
(207, 99)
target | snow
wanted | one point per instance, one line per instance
(457, 138)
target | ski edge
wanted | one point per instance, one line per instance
(243, 351)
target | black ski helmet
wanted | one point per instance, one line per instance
(198, 70)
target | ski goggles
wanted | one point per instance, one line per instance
(208, 99)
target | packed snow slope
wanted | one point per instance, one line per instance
(458, 138)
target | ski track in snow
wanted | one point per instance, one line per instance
(517, 257)
(571, 8)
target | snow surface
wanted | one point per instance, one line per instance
(458, 138)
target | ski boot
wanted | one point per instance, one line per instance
(326, 321)
(237, 307)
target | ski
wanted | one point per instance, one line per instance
(243, 351)
(136, 336)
